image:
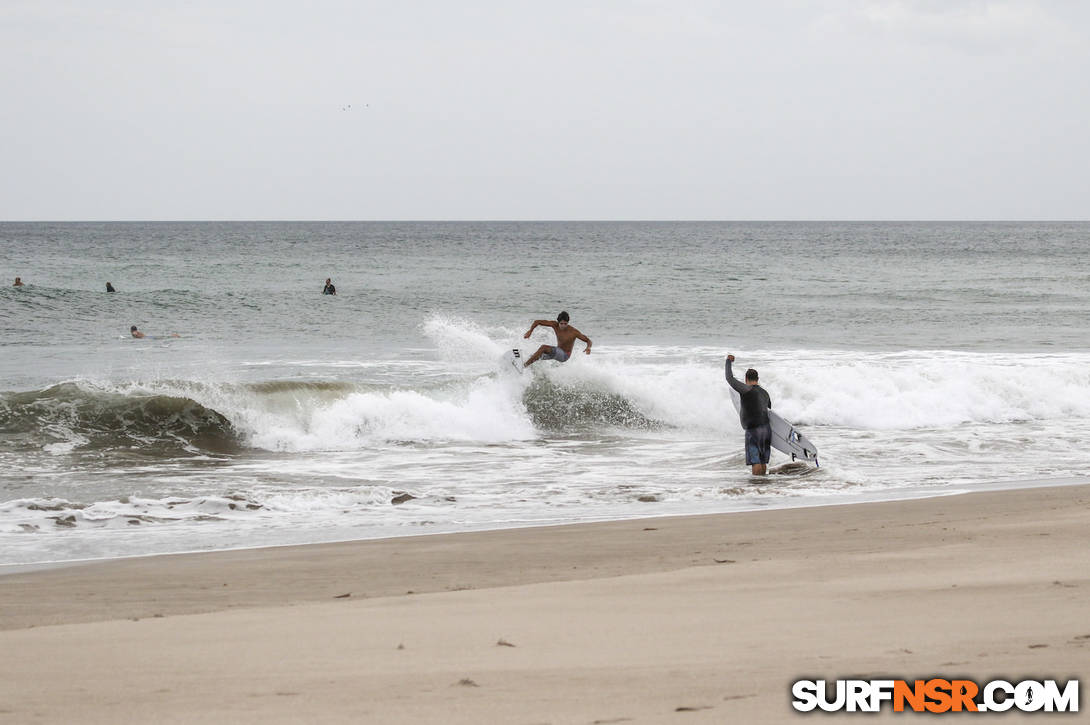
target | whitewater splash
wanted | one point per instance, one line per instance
(631, 389)
(928, 389)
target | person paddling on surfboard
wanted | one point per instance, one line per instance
(754, 416)
(566, 335)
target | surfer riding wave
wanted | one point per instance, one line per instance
(566, 335)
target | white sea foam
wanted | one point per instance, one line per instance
(488, 411)
(934, 389)
(485, 403)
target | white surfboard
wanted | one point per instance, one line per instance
(785, 438)
(513, 358)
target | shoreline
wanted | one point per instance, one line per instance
(704, 618)
(909, 494)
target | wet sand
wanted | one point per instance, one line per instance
(692, 620)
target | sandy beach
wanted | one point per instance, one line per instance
(692, 620)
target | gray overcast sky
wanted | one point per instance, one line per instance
(772, 109)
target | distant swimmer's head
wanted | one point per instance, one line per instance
(751, 376)
(327, 280)
(132, 329)
(18, 282)
(563, 318)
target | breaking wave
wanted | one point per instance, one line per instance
(635, 390)
(70, 415)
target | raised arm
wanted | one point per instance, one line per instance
(735, 382)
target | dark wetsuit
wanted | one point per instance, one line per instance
(753, 413)
(329, 290)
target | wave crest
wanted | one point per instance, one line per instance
(69, 415)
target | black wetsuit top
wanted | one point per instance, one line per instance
(329, 290)
(755, 402)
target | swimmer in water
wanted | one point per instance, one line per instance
(140, 336)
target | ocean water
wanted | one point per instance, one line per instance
(921, 358)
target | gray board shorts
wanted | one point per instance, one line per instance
(554, 353)
(758, 444)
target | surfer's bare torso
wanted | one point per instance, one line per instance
(566, 335)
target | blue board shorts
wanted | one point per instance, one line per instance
(555, 353)
(758, 444)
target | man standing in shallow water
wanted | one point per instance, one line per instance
(566, 335)
(753, 413)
